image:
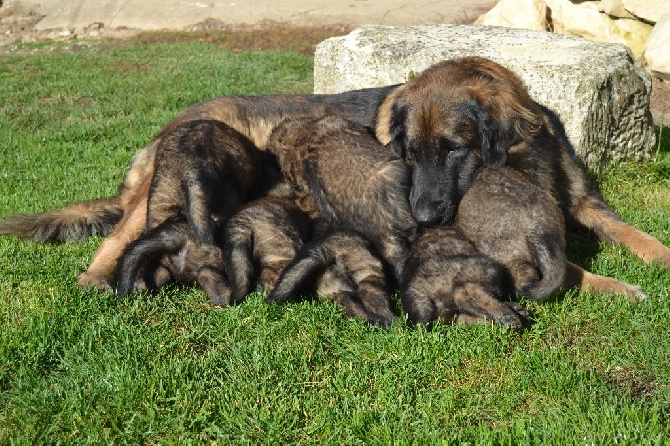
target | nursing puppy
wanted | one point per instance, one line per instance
(171, 252)
(447, 278)
(341, 266)
(204, 171)
(508, 238)
(260, 240)
(464, 112)
(343, 174)
(268, 234)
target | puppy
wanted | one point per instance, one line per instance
(446, 278)
(342, 266)
(260, 240)
(204, 170)
(508, 238)
(343, 174)
(172, 252)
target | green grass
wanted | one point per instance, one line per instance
(81, 367)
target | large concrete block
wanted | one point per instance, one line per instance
(598, 90)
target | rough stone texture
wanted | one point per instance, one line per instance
(526, 14)
(599, 91)
(657, 53)
(649, 10)
(584, 20)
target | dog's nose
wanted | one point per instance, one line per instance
(427, 215)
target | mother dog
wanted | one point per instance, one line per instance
(452, 108)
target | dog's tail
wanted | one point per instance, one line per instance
(238, 259)
(76, 221)
(550, 260)
(163, 239)
(309, 263)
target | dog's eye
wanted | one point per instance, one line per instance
(447, 145)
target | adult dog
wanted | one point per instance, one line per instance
(473, 106)
(512, 121)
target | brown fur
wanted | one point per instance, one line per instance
(446, 278)
(204, 171)
(463, 113)
(520, 226)
(171, 251)
(260, 240)
(343, 174)
(253, 116)
(341, 266)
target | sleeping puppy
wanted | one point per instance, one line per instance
(341, 266)
(260, 240)
(508, 238)
(340, 172)
(204, 171)
(446, 278)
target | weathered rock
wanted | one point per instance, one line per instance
(527, 14)
(649, 10)
(584, 20)
(657, 53)
(599, 91)
(614, 8)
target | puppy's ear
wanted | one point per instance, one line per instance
(496, 137)
(398, 130)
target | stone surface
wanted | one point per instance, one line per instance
(657, 53)
(527, 14)
(599, 91)
(614, 8)
(649, 10)
(584, 20)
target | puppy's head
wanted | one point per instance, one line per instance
(456, 116)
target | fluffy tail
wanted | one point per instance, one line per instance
(239, 261)
(76, 221)
(165, 238)
(550, 259)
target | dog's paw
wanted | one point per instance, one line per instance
(634, 293)
(94, 280)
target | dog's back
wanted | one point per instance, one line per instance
(520, 226)
(204, 170)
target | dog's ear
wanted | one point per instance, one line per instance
(398, 130)
(496, 137)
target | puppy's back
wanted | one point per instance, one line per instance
(520, 226)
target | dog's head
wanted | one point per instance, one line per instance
(450, 120)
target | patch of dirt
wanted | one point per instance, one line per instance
(17, 28)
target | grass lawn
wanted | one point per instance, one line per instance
(77, 366)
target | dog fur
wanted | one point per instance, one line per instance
(260, 240)
(341, 266)
(396, 113)
(447, 278)
(343, 174)
(204, 171)
(171, 251)
(464, 112)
